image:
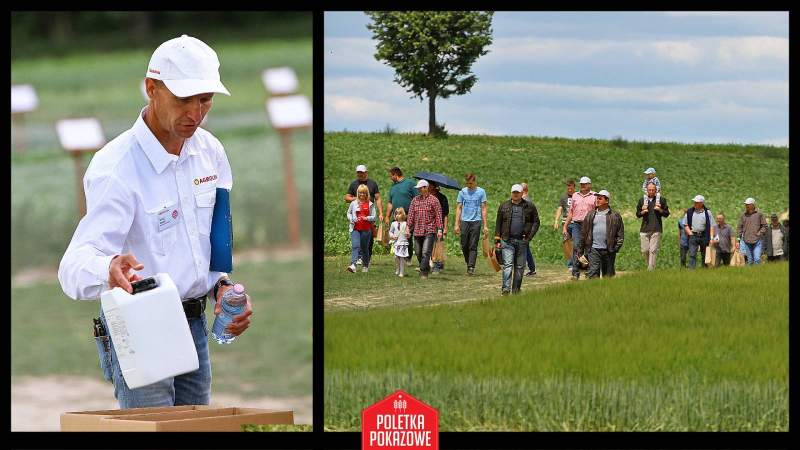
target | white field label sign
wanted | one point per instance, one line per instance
(23, 98)
(80, 134)
(293, 111)
(280, 80)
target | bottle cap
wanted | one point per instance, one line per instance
(238, 288)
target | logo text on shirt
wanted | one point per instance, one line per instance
(198, 181)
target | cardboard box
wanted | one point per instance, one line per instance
(173, 418)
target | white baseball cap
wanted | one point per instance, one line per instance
(516, 188)
(585, 180)
(650, 170)
(361, 168)
(699, 198)
(749, 201)
(421, 183)
(187, 66)
(604, 193)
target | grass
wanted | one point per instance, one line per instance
(669, 350)
(43, 206)
(51, 333)
(724, 174)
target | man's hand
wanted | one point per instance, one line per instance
(498, 244)
(240, 322)
(657, 208)
(644, 209)
(457, 229)
(118, 272)
(439, 234)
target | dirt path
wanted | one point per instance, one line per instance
(380, 288)
(37, 402)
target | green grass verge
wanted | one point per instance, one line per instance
(724, 174)
(668, 350)
(51, 334)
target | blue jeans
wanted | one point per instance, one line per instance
(513, 261)
(752, 252)
(360, 243)
(423, 246)
(576, 237)
(696, 245)
(193, 388)
(569, 231)
(529, 259)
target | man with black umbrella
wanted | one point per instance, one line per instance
(434, 189)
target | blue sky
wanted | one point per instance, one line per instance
(656, 76)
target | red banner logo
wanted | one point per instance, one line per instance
(400, 421)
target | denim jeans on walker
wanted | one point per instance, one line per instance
(360, 242)
(193, 388)
(576, 237)
(752, 252)
(513, 262)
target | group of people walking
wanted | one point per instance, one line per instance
(594, 230)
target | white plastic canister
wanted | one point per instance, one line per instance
(150, 333)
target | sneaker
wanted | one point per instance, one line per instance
(422, 276)
(351, 268)
(359, 262)
(530, 273)
(470, 271)
(365, 269)
(504, 293)
(574, 278)
(400, 275)
(397, 272)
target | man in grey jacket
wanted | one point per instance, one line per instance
(602, 236)
(752, 227)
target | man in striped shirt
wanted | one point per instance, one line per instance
(425, 222)
(582, 202)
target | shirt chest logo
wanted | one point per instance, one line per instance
(199, 181)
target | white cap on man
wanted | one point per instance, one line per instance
(361, 168)
(749, 201)
(187, 66)
(605, 194)
(585, 180)
(516, 188)
(649, 171)
(699, 198)
(421, 183)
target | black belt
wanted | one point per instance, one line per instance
(194, 307)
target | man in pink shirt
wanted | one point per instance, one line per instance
(583, 201)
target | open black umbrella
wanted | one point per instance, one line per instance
(438, 178)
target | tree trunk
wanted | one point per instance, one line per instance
(431, 112)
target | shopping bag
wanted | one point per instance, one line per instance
(487, 247)
(737, 259)
(711, 255)
(438, 251)
(492, 258)
(382, 235)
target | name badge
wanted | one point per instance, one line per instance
(167, 218)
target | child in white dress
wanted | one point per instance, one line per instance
(398, 236)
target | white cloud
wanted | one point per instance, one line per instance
(350, 53)
(731, 52)
(354, 107)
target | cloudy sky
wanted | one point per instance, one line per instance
(655, 76)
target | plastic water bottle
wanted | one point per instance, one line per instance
(234, 303)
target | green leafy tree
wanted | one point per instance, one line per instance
(432, 52)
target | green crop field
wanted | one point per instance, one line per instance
(106, 85)
(52, 333)
(724, 174)
(667, 350)
(670, 350)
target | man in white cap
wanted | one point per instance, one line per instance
(583, 202)
(425, 223)
(602, 236)
(362, 177)
(517, 222)
(650, 177)
(150, 194)
(701, 228)
(752, 227)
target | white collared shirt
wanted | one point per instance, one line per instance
(129, 184)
